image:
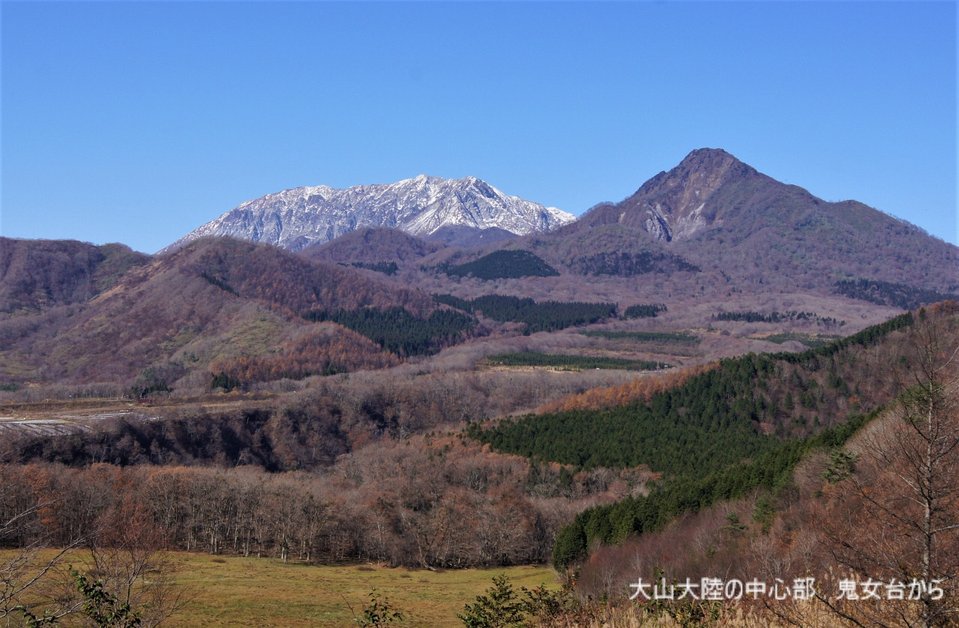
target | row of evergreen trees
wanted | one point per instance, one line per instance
(398, 331)
(573, 362)
(536, 316)
(691, 491)
(750, 316)
(503, 265)
(705, 424)
(888, 293)
(643, 310)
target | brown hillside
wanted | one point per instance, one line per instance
(213, 299)
(371, 246)
(41, 273)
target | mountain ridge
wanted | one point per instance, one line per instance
(297, 217)
(213, 298)
(715, 211)
(697, 179)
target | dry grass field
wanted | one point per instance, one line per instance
(237, 591)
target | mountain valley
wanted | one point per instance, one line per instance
(433, 374)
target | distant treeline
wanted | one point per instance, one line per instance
(407, 518)
(541, 316)
(572, 362)
(630, 264)
(326, 352)
(809, 341)
(502, 265)
(749, 316)
(400, 332)
(864, 338)
(644, 310)
(387, 268)
(303, 432)
(643, 336)
(887, 293)
(274, 439)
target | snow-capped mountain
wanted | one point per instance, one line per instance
(296, 218)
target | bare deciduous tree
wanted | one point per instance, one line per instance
(901, 519)
(26, 569)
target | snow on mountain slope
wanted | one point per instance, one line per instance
(296, 218)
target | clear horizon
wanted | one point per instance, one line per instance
(138, 122)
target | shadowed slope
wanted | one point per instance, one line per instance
(213, 299)
(41, 273)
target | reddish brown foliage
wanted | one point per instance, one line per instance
(640, 389)
(424, 501)
(42, 273)
(326, 350)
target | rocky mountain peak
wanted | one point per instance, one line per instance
(296, 218)
(709, 160)
(679, 203)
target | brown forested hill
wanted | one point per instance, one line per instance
(371, 246)
(40, 273)
(281, 278)
(211, 300)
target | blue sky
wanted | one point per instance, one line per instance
(136, 122)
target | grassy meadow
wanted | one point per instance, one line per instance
(237, 591)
